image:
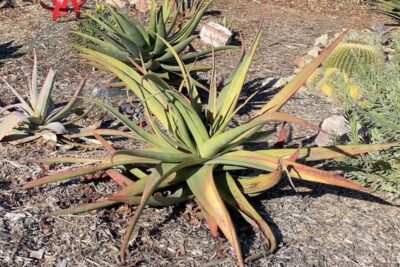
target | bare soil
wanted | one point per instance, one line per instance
(317, 226)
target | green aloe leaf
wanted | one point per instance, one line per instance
(151, 139)
(255, 160)
(239, 134)
(229, 96)
(128, 28)
(233, 195)
(69, 174)
(158, 155)
(208, 196)
(262, 182)
(177, 197)
(151, 185)
(178, 48)
(159, 45)
(33, 95)
(9, 122)
(84, 208)
(44, 99)
(323, 153)
(65, 111)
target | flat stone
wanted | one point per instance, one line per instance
(14, 216)
(55, 127)
(36, 254)
(215, 34)
(50, 136)
(307, 60)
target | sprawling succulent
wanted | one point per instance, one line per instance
(117, 35)
(31, 118)
(390, 8)
(193, 150)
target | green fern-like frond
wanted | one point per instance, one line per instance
(379, 116)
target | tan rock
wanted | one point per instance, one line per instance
(117, 3)
(143, 6)
(314, 52)
(298, 62)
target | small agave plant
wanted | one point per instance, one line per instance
(38, 115)
(188, 7)
(115, 34)
(194, 152)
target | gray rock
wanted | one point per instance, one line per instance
(134, 111)
(14, 216)
(100, 91)
(336, 127)
(55, 127)
(36, 254)
(322, 41)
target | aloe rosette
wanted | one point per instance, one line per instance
(37, 115)
(193, 151)
(117, 35)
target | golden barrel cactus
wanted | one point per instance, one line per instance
(349, 57)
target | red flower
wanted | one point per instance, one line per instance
(60, 7)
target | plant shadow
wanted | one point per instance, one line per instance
(9, 51)
(283, 189)
(266, 89)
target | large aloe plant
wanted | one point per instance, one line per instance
(119, 36)
(193, 150)
(37, 115)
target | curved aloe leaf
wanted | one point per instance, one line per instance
(84, 208)
(208, 196)
(157, 155)
(9, 122)
(258, 161)
(262, 182)
(323, 153)
(152, 183)
(69, 174)
(233, 195)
